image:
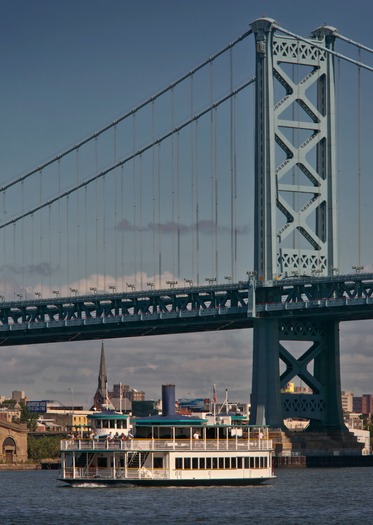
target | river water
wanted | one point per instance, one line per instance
(296, 496)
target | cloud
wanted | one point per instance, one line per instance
(205, 227)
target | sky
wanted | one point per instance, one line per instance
(67, 69)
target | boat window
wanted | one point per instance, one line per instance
(105, 424)
(194, 463)
(247, 462)
(179, 463)
(252, 462)
(214, 462)
(221, 462)
(227, 462)
(233, 462)
(239, 462)
(102, 462)
(202, 463)
(186, 462)
(158, 462)
(208, 462)
(256, 462)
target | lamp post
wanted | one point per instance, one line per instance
(93, 289)
(210, 280)
(74, 291)
(335, 270)
(112, 287)
(38, 294)
(19, 295)
(2, 298)
(56, 293)
(171, 283)
(189, 281)
(131, 286)
(150, 284)
(357, 268)
(228, 278)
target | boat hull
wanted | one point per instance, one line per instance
(167, 482)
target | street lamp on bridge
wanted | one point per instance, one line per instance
(93, 289)
(56, 293)
(210, 280)
(38, 294)
(171, 283)
(188, 281)
(228, 278)
(74, 291)
(357, 268)
(112, 287)
(131, 286)
(150, 284)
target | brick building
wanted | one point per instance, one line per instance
(13, 442)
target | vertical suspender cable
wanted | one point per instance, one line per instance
(104, 251)
(178, 201)
(115, 210)
(49, 247)
(22, 237)
(122, 222)
(194, 225)
(59, 225)
(96, 218)
(67, 242)
(32, 243)
(134, 199)
(215, 180)
(41, 223)
(197, 200)
(140, 222)
(159, 218)
(85, 236)
(174, 250)
(359, 156)
(154, 192)
(232, 146)
(212, 186)
(5, 244)
(77, 217)
(14, 258)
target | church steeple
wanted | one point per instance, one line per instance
(102, 377)
(101, 399)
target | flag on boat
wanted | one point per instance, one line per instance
(214, 397)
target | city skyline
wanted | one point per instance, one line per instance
(67, 70)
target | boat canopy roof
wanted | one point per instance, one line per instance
(169, 420)
(108, 414)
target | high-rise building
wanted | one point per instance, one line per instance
(347, 401)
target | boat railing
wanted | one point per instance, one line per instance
(102, 473)
(182, 445)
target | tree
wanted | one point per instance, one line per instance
(44, 447)
(27, 417)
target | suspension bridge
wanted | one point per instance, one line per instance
(212, 205)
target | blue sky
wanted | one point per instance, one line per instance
(68, 68)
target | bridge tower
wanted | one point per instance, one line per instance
(295, 222)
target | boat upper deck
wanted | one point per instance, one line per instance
(182, 445)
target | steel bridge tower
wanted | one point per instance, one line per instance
(295, 222)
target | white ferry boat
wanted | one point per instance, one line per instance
(169, 450)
